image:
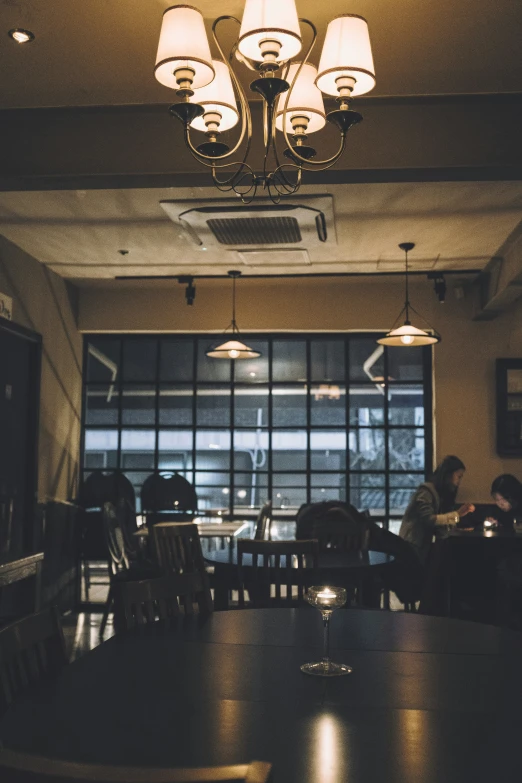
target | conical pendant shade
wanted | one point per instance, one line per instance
(233, 347)
(407, 335)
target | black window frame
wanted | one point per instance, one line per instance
(270, 338)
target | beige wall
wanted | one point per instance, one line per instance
(464, 362)
(44, 303)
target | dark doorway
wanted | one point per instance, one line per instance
(20, 361)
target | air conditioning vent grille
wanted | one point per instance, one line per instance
(255, 231)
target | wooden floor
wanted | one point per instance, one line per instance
(82, 632)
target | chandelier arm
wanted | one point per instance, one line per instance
(290, 187)
(234, 179)
(324, 165)
(267, 137)
(309, 165)
(289, 92)
(286, 187)
(275, 199)
(246, 118)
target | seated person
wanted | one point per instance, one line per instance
(433, 505)
(506, 491)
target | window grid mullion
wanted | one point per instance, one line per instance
(270, 420)
(348, 491)
(308, 420)
(386, 444)
(232, 454)
(120, 404)
(195, 354)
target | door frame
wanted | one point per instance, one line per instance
(30, 531)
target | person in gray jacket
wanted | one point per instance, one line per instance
(433, 504)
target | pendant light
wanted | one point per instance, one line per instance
(407, 335)
(233, 348)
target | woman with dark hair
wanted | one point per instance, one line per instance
(433, 505)
(506, 491)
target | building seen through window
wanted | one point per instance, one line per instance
(333, 417)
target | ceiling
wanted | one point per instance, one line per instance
(78, 234)
(98, 52)
(102, 53)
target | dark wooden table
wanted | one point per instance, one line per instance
(429, 701)
(336, 568)
(17, 568)
(467, 559)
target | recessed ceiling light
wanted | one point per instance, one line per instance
(21, 36)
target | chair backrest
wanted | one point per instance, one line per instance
(336, 525)
(100, 488)
(263, 522)
(177, 548)
(279, 573)
(30, 649)
(24, 768)
(150, 600)
(168, 492)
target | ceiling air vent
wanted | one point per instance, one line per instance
(255, 230)
(306, 223)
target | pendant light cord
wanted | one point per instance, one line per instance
(407, 296)
(234, 327)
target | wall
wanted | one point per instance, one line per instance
(464, 362)
(43, 302)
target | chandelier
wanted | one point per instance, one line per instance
(269, 40)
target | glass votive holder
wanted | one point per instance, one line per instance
(327, 600)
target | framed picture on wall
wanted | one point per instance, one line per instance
(509, 407)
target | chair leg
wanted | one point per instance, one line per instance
(106, 610)
(86, 578)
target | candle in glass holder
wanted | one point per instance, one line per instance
(326, 599)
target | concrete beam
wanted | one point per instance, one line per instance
(499, 285)
(465, 138)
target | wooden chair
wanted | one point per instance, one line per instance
(141, 603)
(30, 649)
(177, 548)
(280, 571)
(123, 565)
(23, 768)
(263, 522)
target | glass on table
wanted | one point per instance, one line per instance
(327, 600)
(517, 525)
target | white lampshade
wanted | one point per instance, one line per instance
(346, 52)
(183, 43)
(408, 335)
(305, 100)
(217, 96)
(233, 349)
(270, 19)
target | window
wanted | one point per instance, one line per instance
(315, 417)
